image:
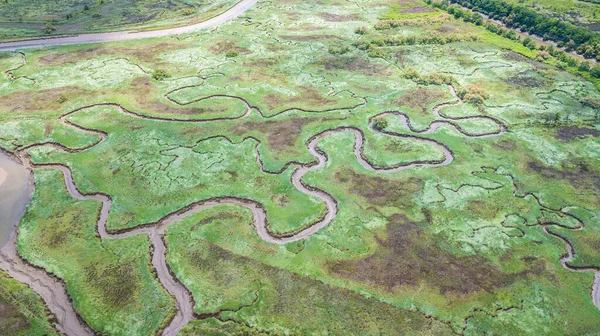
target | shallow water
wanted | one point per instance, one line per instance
(14, 195)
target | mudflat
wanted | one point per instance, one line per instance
(14, 195)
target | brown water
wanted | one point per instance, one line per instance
(15, 192)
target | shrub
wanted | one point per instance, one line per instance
(376, 52)
(338, 50)
(188, 11)
(159, 74)
(232, 53)
(410, 73)
(584, 66)
(473, 94)
(542, 55)
(529, 43)
(595, 71)
(361, 30)
(380, 124)
(435, 78)
(49, 28)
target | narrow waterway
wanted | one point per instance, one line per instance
(15, 192)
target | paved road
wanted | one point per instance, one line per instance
(235, 11)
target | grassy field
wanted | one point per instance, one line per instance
(452, 249)
(26, 18)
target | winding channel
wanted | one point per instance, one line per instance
(52, 290)
(236, 10)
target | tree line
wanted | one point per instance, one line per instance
(567, 35)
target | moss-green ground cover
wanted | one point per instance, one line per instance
(452, 249)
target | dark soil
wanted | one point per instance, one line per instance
(580, 175)
(527, 79)
(574, 132)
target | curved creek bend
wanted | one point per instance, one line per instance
(52, 290)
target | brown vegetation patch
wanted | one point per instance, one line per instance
(39, 100)
(355, 64)
(379, 190)
(304, 38)
(419, 9)
(10, 317)
(118, 284)
(286, 294)
(572, 132)
(579, 174)
(308, 98)
(527, 79)
(144, 89)
(505, 145)
(420, 98)
(267, 62)
(330, 17)
(223, 46)
(146, 53)
(514, 56)
(280, 134)
(409, 256)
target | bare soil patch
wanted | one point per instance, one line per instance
(574, 132)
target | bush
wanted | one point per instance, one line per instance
(232, 53)
(338, 50)
(49, 29)
(376, 52)
(595, 71)
(412, 74)
(529, 43)
(473, 94)
(435, 78)
(361, 30)
(188, 11)
(584, 66)
(542, 55)
(159, 74)
(380, 124)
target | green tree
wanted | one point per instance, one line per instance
(529, 43)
